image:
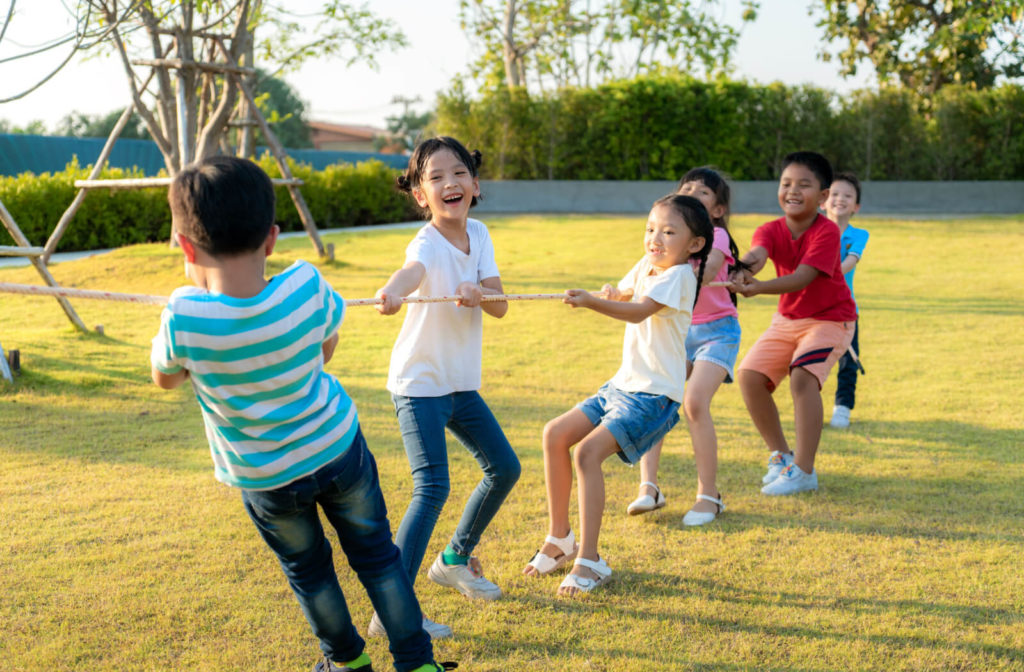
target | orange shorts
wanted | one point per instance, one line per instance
(814, 345)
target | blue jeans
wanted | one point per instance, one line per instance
(349, 493)
(846, 377)
(422, 421)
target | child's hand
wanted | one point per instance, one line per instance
(610, 292)
(578, 298)
(748, 287)
(391, 304)
(469, 295)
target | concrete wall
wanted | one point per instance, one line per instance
(879, 198)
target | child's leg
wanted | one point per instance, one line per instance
(700, 388)
(649, 464)
(288, 522)
(476, 428)
(807, 415)
(590, 454)
(846, 377)
(560, 435)
(353, 503)
(757, 395)
(422, 421)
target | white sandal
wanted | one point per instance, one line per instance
(694, 518)
(584, 584)
(545, 564)
(645, 503)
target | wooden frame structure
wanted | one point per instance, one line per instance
(245, 114)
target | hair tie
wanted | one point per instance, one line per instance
(403, 182)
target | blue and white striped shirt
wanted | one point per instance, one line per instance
(272, 414)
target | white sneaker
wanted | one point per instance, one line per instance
(463, 579)
(776, 463)
(435, 630)
(840, 417)
(792, 480)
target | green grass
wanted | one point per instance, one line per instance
(118, 549)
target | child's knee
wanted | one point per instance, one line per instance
(753, 381)
(587, 457)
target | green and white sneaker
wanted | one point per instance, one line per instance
(360, 664)
(792, 480)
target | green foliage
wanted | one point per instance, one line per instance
(926, 45)
(538, 43)
(340, 195)
(658, 126)
(80, 125)
(284, 111)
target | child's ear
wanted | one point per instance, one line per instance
(476, 186)
(421, 198)
(268, 244)
(187, 248)
(697, 244)
(822, 198)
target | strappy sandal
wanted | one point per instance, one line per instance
(584, 584)
(695, 518)
(545, 564)
(645, 503)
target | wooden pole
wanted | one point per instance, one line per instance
(279, 154)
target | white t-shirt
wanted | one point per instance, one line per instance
(440, 346)
(654, 351)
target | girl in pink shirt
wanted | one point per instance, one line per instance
(712, 344)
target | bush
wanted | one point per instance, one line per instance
(656, 127)
(340, 195)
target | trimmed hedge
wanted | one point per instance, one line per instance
(657, 127)
(340, 195)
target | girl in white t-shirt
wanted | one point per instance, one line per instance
(712, 345)
(434, 375)
(640, 404)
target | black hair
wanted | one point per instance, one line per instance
(717, 183)
(848, 177)
(223, 204)
(413, 174)
(698, 221)
(814, 162)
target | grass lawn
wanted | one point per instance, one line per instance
(119, 550)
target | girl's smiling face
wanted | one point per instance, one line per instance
(447, 186)
(705, 195)
(668, 241)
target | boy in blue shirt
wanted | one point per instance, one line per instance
(842, 204)
(281, 429)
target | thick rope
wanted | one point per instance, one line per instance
(69, 292)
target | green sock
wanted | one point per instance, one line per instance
(362, 661)
(453, 558)
(429, 667)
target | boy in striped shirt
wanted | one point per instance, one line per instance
(280, 428)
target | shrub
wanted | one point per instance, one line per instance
(341, 195)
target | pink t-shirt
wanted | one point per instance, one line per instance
(828, 296)
(714, 302)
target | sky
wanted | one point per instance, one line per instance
(781, 45)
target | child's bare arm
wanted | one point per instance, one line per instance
(627, 311)
(328, 347)
(169, 381)
(613, 293)
(401, 283)
(755, 259)
(849, 262)
(713, 265)
(493, 286)
(794, 282)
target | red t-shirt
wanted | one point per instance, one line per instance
(828, 296)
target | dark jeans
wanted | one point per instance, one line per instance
(846, 377)
(349, 493)
(422, 421)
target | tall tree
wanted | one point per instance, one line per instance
(202, 55)
(584, 42)
(926, 44)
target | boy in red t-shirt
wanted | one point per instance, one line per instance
(810, 331)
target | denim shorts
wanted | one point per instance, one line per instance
(717, 342)
(637, 420)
